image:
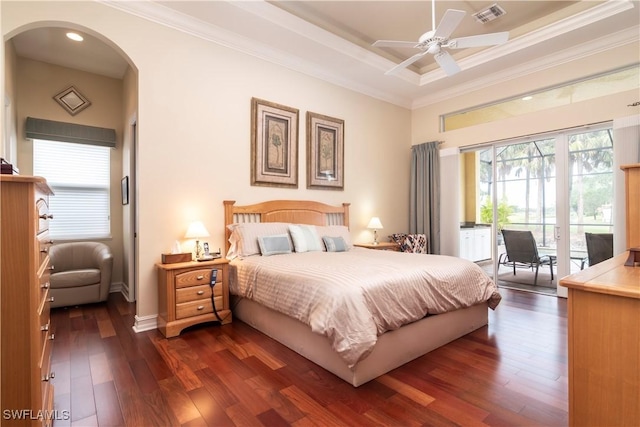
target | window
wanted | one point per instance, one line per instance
(79, 175)
(592, 87)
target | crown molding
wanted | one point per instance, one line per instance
(593, 47)
(312, 34)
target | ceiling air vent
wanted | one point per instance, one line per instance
(489, 14)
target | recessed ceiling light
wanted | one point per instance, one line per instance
(75, 36)
(527, 98)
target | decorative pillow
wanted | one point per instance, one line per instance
(244, 236)
(274, 245)
(414, 243)
(305, 238)
(336, 231)
(335, 244)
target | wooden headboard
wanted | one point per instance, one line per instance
(293, 211)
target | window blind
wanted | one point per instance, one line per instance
(79, 175)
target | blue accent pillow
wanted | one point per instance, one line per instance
(274, 245)
(335, 244)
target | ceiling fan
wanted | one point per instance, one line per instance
(436, 40)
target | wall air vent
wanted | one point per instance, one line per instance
(489, 14)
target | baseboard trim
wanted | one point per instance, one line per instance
(145, 323)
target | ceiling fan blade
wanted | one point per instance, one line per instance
(394, 43)
(480, 40)
(446, 61)
(449, 23)
(407, 62)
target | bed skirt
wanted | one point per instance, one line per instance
(393, 349)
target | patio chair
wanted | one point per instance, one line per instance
(522, 251)
(599, 247)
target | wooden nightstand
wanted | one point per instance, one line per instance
(184, 295)
(381, 246)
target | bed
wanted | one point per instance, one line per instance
(273, 294)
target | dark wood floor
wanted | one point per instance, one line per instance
(510, 373)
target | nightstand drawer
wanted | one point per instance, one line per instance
(198, 307)
(197, 292)
(196, 277)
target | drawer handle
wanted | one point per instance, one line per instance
(200, 292)
(46, 216)
(51, 268)
(44, 328)
(51, 376)
(49, 242)
(51, 299)
(200, 277)
(44, 250)
(52, 337)
(201, 307)
(45, 286)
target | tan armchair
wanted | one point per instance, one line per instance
(81, 273)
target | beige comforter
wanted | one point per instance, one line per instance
(352, 297)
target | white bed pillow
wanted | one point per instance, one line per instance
(305, 238)
(244, 236)
(336, 231)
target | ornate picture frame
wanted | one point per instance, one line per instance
(274, 144)
(72, 100)
(325, 152)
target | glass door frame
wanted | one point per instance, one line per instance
(563, 175)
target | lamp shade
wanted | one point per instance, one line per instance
(196, 230)
(375, 223)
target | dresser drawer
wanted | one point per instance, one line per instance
(44, 245)
(196, 277)
(198, 307)
(44, 285)
(42, 205)
(45, 318)
(45, 369)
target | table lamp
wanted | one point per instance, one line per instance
(196, 231)
(375, 225)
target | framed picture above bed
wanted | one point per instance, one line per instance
(325, 152)
(274, 144)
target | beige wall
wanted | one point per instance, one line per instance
(8, 148)
(37, 83)
(194, 132)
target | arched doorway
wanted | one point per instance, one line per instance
(41, 62)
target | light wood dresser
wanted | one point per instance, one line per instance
(185, 295)
(27, 395)
(604, 331)
(632, 200)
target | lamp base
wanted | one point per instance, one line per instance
(375, 237)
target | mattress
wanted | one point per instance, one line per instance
(353, 297)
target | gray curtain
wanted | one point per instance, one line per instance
(424, 200)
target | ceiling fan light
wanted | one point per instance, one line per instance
(75, 36)
(434, 48)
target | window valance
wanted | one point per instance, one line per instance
(69, 132)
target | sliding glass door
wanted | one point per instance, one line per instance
(552, 189)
